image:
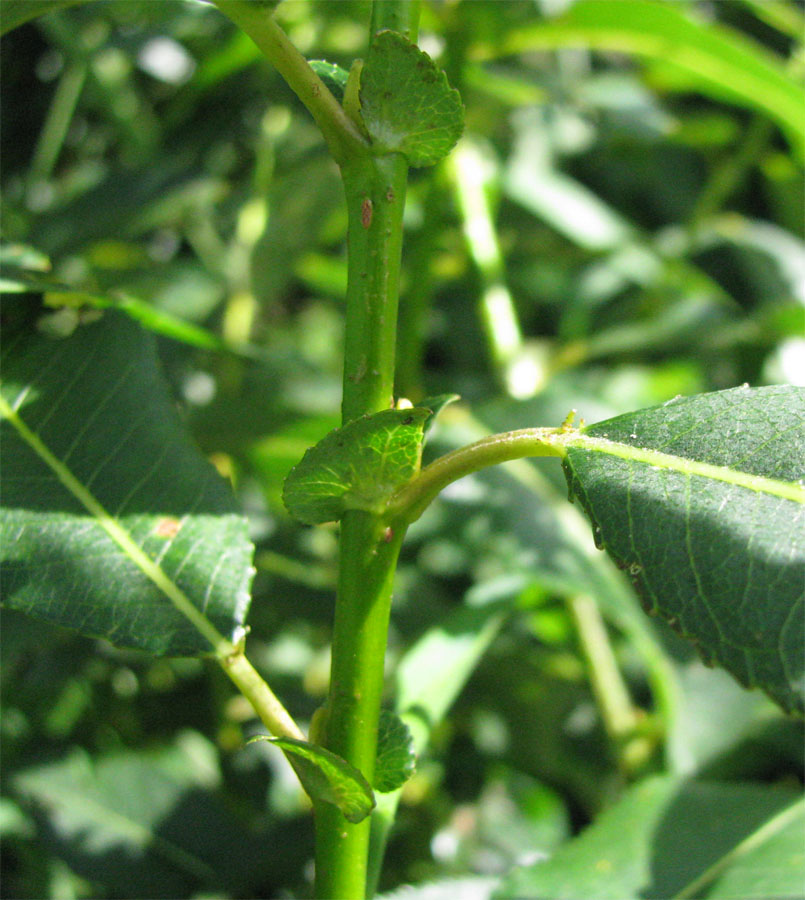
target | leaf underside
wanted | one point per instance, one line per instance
(407, 105)
(723, 563)
(358, 466)
(326, 776)
(396, 758)
(96, 401)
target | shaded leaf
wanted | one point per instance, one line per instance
(702, 501)
(14, 13)
(406, 103)
(327, 777)
(111, 519)
(141, 824)
(358, 466)
(663, 835)
(396, 758)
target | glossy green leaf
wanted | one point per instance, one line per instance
(701, 500)
(435, 405)
(112, 521)
(14, 13)
(332, 75)
(327, 777)
(667, 838)
(710, 57)
(358, 466)
(406, 103)
(396, 758)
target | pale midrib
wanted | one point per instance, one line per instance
(118, 534)
(759, 483)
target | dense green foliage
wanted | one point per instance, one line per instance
(621, 223)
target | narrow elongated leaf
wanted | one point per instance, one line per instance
(112, 521)
(358, 466)
(663, 837)
(712, 58)
(406, 103)
(326, 776)
(702, 501)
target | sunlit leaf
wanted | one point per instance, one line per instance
(358, 466)
(702, 502)
(327, 777)
(111, 520)
(406, 103)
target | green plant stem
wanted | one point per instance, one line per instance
(343, 139)
(356, 684)
(617, 711)
(375, 192)
(249, 682)
(408, 504)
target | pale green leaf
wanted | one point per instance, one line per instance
(665, 837)
(327, 777)
(406, 103)
(396, 758)
(358, 466)
(702, 502)
(709, 57)
(112, 521)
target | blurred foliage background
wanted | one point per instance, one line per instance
(612, 230)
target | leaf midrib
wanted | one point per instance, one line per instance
(152, 570)
(786, 490)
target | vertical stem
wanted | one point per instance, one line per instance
(375, 193)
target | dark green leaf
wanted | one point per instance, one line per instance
(702, 501)
(111, 519)
(332, 75)
(396, 759)
(663, 835)
(327, 777)
(406, 103)
(358, 466)
(141, 824)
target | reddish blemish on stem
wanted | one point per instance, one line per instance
(366, 212)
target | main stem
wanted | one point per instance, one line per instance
(375, 193)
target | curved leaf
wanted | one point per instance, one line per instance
(112, 522)
(358, 466)
(650, 844)
(702, 501)
(326, 776)
(711, 58)
(407, 105)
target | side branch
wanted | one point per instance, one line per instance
(343, 139)
(411, 500)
